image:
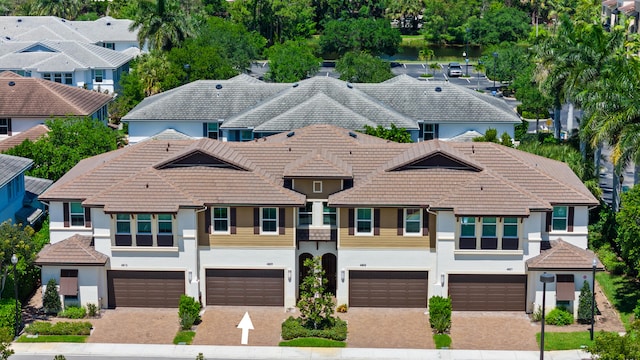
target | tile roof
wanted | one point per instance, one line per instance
(32, 97)
(564, 256)
(246, 103)
(32, 134)
(164, 175)
(76, 250)
(63, 55)
(105, 29)
(11, 166)
(36, 185)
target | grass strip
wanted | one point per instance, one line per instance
(442, 341)
(184, 336)
(622, 292)
(313, 342)
(53, 338)
(565, 340)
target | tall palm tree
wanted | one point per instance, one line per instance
(164, 24)
(67, 9)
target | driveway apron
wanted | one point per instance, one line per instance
(135, 326)
(493, 331)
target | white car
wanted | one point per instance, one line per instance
(454, 69)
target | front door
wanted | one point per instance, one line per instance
(329, 265)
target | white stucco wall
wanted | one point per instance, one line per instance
(535, 287)
(57, 231)
(449, 130)
(92, 282)
(140, 130)
(19, 125)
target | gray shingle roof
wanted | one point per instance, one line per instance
(11, 166)
(36, 185)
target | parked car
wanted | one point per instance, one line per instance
(454, 69)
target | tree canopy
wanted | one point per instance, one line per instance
(291, 62)
(373, 36)
(361, 67)
(394, 133)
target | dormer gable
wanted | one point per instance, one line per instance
(318, 165)
(38, 47)
(433, 154)
(207, 153)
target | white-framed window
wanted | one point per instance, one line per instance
(328, 215)
(99, 75)
(220, 220)
(364, 221)
(489, 227)
(144, 224)
(123, 224)
(317, 186)
(510, 227)
(4, 126)
(413, 221)
(559, 220)
(305, 215)
(62, 78)
(165, 224)
(212, 130)
(76, 214)
(429, 131)
(269, 220)
(109, 45)
(468, 227)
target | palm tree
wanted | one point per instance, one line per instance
(67, 9)
(163, 24)
(425, 55)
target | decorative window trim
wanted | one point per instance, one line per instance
(77, 215)
(306, 211)
(555, 217)
(317, 187)
(212, 133)
(274, 220)
(226, 219)
(327, 211)
(406, 220)
(123, 220)
(98, 75)
(358, 220)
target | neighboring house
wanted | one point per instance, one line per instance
(231, 223)
(27, 102)
(614, 12)
(19, 193)
(66, 62)
(106, 32)
(244, 108)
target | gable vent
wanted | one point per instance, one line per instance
(438, 89)
(218, 86)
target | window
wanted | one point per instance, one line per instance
(269, 220)
(246, 135)
(317, 186)
(212, 130)
(24, 73)
(109, 45)
(76, 212)
(328, 215)
(468, 227)
(123, 224)
(221, 220)
(429, 131)
(489, 227)
(412, 221)
(510, 228)
(63, 78)
(5, 125)
(165, 224)
(144, 224)
(364, 221)
(559, 222)
(99, 75)
(305, 214)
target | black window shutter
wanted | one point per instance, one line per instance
(549, 217)
(376, 221)
(207, 220)
(205, 130)
(436, 131)
(281, 218)
(9, 127)
(232, 219)
(571, 215)
(400, 222)
(351, 220)
(425, 223)
(65, 210)
(421, 131)
(87, 217)
(256, 220)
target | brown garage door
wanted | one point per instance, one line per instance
(145, 288)
(488, 292)
(245, 287)
(395, 289)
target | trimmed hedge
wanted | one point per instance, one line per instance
(559, 316)
(61, 328)
(73, 312)
(440, 314)
(8, 314)
(292, 328)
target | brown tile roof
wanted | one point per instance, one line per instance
(76, 250)
(32, 134)
(564, 256)
(164, 175)
(32, 97)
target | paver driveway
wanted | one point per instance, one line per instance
(499, 330)
(219, 325)
(135, 326)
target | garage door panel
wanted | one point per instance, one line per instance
(145, 288)
(487, 292)
(401, 289)
(245, 287)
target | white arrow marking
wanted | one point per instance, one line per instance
(245, 325)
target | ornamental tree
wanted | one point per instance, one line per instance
(316, 305)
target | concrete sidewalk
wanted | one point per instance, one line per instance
(270, 352)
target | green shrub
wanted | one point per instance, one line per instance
(611, 261)
(59, 357)
(559, 316)
(442, 341)
(584, 304)
(188, 312)
(6, 334)
(292, 328)
(636, 311)
(200, 357)
(61, 328)
(92, 310)
(73, 312)
(51, 298)
(8, 314)
(440, 314)
(537, 314)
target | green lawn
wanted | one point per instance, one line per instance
(442, 341)
(565, 340)
(313, 342)
(623, 293)
(53, 338)
(184, 336)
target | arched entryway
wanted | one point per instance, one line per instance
(303, 270)
(329, 265)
